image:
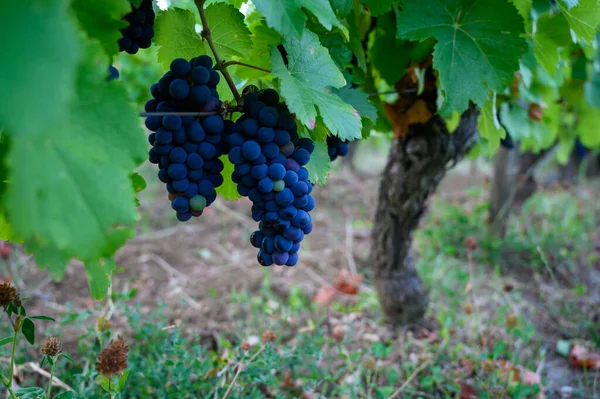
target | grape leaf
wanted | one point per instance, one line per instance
(378, 7)
(552, 32)
(523, 7)
(355, 41)
(533, 135)
(36, 87)
(305, 86)
(341, 7)
(583, 17)
(288, 18)
(388, 54)
(228, 190)
(469, 57)
(99, 275)
(235, 3)
(101, 20)
(229, 33)
(176, 37)
(263, 38)
(587, 126)
(319, 165)
(70, 192)
(488, 125)
(360, 101)
(338, 48)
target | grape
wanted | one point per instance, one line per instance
(187, 148)
(336, 147)
(113, 73)
(263, 145)
(180, 67)
(139, 32)
(198, 202)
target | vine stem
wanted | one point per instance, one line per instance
(219, 61)
(12, 354)
(227, 63)
(51, 377)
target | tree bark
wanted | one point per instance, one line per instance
(417, 163)
(513, 182)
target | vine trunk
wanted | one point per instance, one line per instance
(417, 163)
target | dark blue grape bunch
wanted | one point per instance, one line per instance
(269, 161)
(336, 147)
(187, 148)
(140, 31)
(113, 73)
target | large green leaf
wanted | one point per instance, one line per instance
(587, 126)
(582, 17)
(552, 32)
(305, 85)
(259, 53)
(102, 20)
(360, 101)
(523, 6)
(229, 33)
(341, 7)
(319, 165)
(70, 194)
(378, 7)
(488, 125)
(389, 55)
(470, 58)
(288, 17)
(176, 37)
(533, 135)
(40, 51)
(99, 275)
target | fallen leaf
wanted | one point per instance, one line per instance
(520, 374)
(347, 283)
(580, 356)
(467, 391)
(325, 296)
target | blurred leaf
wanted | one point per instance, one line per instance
(28, 329)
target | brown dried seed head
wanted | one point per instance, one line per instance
(8, 294)
(113, 359)
(370, 364)
(488, 366)
(471, 243)
(268, 336)
(52, 346)
(511, 321)
(338, 333)
(245, 346)
(103, 324)
(468, 308)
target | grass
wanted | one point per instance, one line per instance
(495, 316)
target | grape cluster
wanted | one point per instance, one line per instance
(187, 149)
(140, 31)
(113, 73)
(336, 147)
(269, 157)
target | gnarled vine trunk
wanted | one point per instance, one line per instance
(417, 163)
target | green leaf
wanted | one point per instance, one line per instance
(228, 190)
(488, 125)
(28, 330)
(532, 134)
(583, 18)
(468, 55)
(355, 42)
(30, 393)
(288, 18)
(48, 318)
(552, 32)
(378, 7)
(101, 20)
(6, 340)
(37, 75)
(175, 35)
(338, 48)
(138, 182)
(229, 33)
(123, 380)
(66, 395)
(341, 7)
(587, 126)
(389, 55)
(66, 356)
(70, 193)
(263, 38)
(305, 86)
(99, 275)
(360, 101)
(523, 6)
(319, 165)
